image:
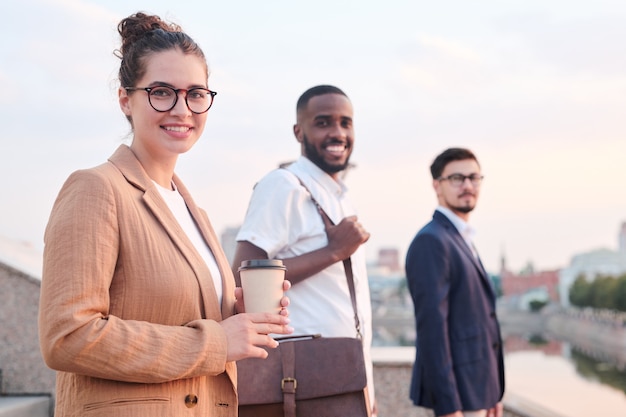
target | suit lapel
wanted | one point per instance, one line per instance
(463, 247)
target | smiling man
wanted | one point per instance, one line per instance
(458, 369)
(282, 222)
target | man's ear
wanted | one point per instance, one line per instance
(437, 187)
(297, 132)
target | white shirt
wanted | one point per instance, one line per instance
(283, 221)
(178, 207)
(466, 231)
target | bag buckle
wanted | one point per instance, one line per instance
(287, 381)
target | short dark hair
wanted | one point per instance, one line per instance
(317, 91)
(447, 156)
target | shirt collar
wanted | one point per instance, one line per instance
(464, 228)
(337, 186)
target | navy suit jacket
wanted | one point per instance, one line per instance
(458, 360)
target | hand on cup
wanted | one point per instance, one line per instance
(263, 286)
(261, 295)
(284, 302)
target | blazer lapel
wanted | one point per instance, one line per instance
(206, 229)
(132, 170)
(462, 245)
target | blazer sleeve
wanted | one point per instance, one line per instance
(428, 275)
(77, 333)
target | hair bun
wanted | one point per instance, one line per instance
(138, 25)
(143, 35)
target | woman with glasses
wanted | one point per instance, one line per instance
(138, 301)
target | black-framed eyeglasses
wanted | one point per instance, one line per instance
(456, 180)
(162, 98)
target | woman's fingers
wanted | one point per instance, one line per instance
(247, 334)
(266, 323)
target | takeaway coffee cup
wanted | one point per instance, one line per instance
(262, 283)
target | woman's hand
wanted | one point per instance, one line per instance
(247, 333)
(284, 302)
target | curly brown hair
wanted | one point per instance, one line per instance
(143, 35)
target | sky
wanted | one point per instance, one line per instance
(536, 88)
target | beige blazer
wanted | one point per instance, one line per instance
(129, 313)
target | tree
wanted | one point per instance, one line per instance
(579, 292)
(602, 292)
(537, 305)
(620, 293)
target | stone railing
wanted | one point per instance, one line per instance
(392, 379)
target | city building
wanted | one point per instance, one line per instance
(553, 286)
(530, 285)
(389, 258)
(593, 264)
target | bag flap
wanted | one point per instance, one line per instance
(324, 367)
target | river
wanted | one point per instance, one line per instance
(565, 363)
(566, 381)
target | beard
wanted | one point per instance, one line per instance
(314, 156)
(462, 209)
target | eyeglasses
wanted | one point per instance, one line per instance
(162, 98)
(456, 180)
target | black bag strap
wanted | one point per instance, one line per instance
(347, 263)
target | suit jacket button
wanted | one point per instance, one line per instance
(191, 400)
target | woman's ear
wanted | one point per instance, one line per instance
(124, 100)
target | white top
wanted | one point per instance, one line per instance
(177, 206)
(283, 221)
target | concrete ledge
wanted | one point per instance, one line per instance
(522, 407)
(392, 377)
(25, 406)
(393, 355)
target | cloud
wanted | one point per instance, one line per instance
(582, 45)
(442, 66)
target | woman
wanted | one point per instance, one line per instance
(137, 299)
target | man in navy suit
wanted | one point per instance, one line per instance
(458, 370)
